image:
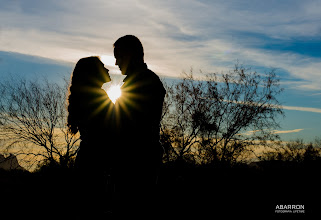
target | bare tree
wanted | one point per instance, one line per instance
(180, 125)
(223, 117)
(294, 151)
(33, 115)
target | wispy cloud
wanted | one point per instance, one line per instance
(208, 35)
(249, 133)
(305, 109)
(288, 131)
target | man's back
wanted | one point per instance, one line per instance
(141, 109)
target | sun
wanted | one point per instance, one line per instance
(113, 91)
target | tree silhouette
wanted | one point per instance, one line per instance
(33, 115)
(181, 122)
(295, 151)
(223, 117)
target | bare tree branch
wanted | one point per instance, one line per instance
(35, 112)
(216, 115)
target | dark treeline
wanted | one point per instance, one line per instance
(184, 189)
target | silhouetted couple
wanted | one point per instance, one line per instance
(120, 140)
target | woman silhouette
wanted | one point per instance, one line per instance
(88, 112)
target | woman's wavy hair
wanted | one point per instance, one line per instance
(89, 74)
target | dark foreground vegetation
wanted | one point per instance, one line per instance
(183, 190)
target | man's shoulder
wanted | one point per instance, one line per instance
(152, 74)
(153, 77)
(152, 81)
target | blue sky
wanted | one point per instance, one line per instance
(177, 35)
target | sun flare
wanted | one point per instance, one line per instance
(113, 91)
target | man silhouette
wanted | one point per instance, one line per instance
(139, 110)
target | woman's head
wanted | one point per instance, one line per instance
(90, 71)
(87, 79)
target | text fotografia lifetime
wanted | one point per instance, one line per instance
(289, 209)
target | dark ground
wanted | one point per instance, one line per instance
(183, 191)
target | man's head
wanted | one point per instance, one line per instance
(128, 51)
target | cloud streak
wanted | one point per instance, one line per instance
(208, 35)
(288, 131)
(304, 109)
(249, 133)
